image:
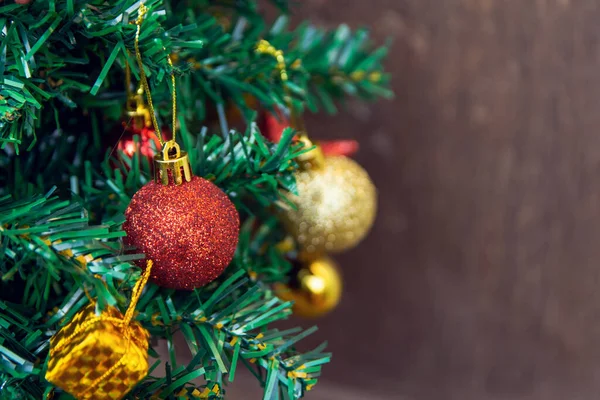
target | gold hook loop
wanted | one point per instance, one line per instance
(172, 163)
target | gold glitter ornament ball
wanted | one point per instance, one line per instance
(336, 206)
(316, 288)
(190, 231)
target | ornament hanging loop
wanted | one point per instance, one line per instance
(143, 10)
(138, 111)
(172, 163)
(312, 159)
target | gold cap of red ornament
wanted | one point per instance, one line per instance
(172, 163)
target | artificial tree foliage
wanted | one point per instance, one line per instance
(64, 187)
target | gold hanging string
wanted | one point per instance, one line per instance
(135, 297)
(143, 10)
(137, 292)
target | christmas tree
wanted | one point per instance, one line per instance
(89, 91)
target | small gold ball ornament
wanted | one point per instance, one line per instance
(316, 288)
(336, 204)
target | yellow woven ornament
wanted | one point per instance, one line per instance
(100, 356)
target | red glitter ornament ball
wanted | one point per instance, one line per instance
(189, 231)
(147, 145)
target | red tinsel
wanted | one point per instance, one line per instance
(272, 127)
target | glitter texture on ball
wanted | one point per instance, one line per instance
(336, 206)
(190, 231)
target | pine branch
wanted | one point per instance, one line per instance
(64, 53)
(48, 250)
(323, 66)
(234, 311)
(62, 68)
(340, 63)
(22, 342)
(47, 242)
(225, 319)
(226, 329)
(252, 171)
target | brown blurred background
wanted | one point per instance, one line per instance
(480, 279)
